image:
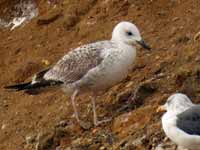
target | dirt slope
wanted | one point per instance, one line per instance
(173, 65)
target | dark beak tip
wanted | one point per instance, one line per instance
(144, 45)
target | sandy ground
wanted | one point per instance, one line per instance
(46, 121)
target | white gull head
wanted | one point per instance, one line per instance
(177, 103)
(127, 33)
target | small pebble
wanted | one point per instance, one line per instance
(30, 139)
(102, 148)
(45, 62)
(3, 126)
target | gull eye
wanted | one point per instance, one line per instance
(129, 33)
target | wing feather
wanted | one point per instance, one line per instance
(189, 120)
(73, 66)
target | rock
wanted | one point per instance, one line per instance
(166, 146)
(61, 132)
(51, 17)
(102, 148)
(70, 21)
(3, 127)
(173, 31)
(68, 148)
(45, 62)
(30, 139)
(17, 51)
(62, 123)
(139, 140)
(159, 147)
(175, 18)
(130, 84)
(180, 148)
(45, 140)
(197, 35)
(77, 141)
(197, 59)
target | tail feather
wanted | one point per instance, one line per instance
(18, 87)
(38, 82)
(34, 86)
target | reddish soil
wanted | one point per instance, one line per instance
(169, 26)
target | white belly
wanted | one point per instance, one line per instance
(113, 73)
(112, 70)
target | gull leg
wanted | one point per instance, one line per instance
(95, 118)
(81, 123)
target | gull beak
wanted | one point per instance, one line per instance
(161, 108)
(143, 44)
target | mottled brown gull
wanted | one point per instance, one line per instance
(181, 122)
(91, 68)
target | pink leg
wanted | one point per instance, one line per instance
(81, 123)
(95, 118)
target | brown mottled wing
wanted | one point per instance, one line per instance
(76, 64)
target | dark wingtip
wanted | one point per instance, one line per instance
(17, 87)
(10, 87)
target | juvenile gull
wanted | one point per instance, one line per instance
(91, 68)
(181, 122)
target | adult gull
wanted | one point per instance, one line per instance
(92, 67)
(181, 122)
